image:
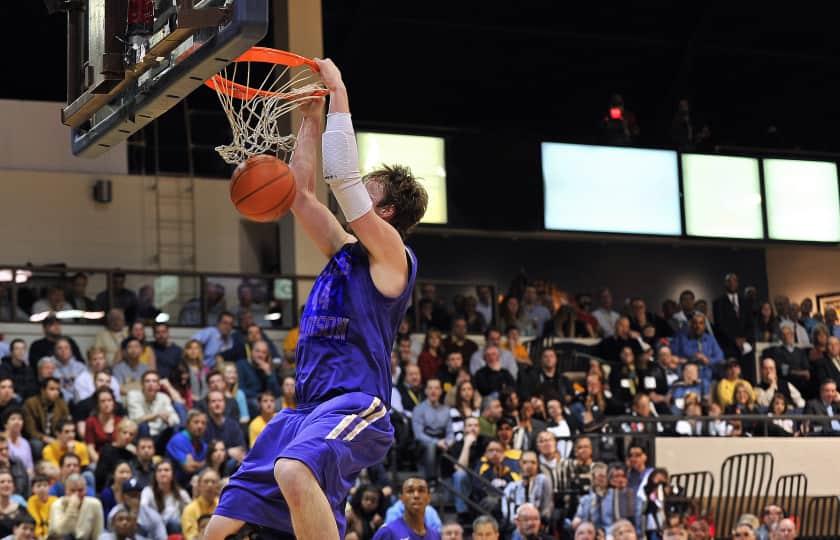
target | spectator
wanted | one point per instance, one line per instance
(533, 315)
(77, 296)
(11, 511)
(493, 378)
(826, 405)
(165, 497)
(637, 468)
(771, 384)
(828, 367)
(491, 413)
(8, 400)
(744, 531)
(592, 408)
(149, 522)
(733, 320)
(605, 315)
(46, 345)
(432, 427)
(115, 452)
(528, 524)
(86, 383)
(152, 409)
(819, 344)
(452, 531)
(504, 434)
(485, 528)
(545, 379)
(167, 354)
(726, 386)
(15, 467)
(216, 381)
(110, 339)
(431, 358)
(42, 413)
(216, 339)
(46, 369)
(589, 507)
(515, 346)
(232, 391)
(86, 408)
(16, 365)
(457, 340)
(123, 526)
(586, 531)
(661, 378)
(129, 371)
(124, 299)
(791, 360)
(743, 402)
(224, 428)
(69, 465)
(194, 360)
(204, 503)
(475, 314)
(609, 349)
(52, 303)
(267, 409)
(255, 374)
(288, 399)
(138, 331)
(484, 305)
(112, 495)
(448, 373)
(365, 513)
(533, 487)
(527, 428)
(690, 383)
(67, 369)
(696, 345)
(683, 315)
(143, 462)
(467, 452)
(806, 319)
(626, 378)
(493, 338)
(770, 518)
(780, 407)
(621, 502)
(648, 325)
(66, 443)
(563, 425)
(76, 514)
(566, 323)
(39, 504)
(766, 323)
(8, 311)
(789, 313)
(682, 127)
(187, 449)
(19, 448)
(786, 530)
(101, 426)
(411, 389)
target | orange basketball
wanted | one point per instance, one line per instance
(262, 188)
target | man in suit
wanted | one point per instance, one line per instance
(826, 405)
(828, 367)
(733, 320)
(791, 360)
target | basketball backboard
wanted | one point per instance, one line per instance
(130, 61)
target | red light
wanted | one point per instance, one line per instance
(615, 113)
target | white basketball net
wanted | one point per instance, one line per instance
(254, 121)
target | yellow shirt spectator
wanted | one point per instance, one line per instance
(40, 512)
(54, 451)
(255, 428)
(193, 511)
(726, 391)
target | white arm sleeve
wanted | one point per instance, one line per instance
(341, 167)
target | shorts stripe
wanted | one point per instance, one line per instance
(365, 423)
(348, 419)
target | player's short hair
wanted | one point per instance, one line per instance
(410, 478)
(404, 193)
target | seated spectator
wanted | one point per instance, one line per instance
(112, 495)
(592, 408)
(149, 523)
(431, 357)
(819, 344)
(567, 324)
(75, 514)
(365, 512)
(726, 386)
(187, 449)
(771, 384)
(491, 413)
(533, 315)
(691, 426)
(431, 425)
(644, 410)
(46, 346)
(770, 518)
(504, 434)
(129, 371)
(67, 369)
(115, 452)
(42, 413)
(204, 503)
(224, 428)
(493, 339)
(589, 507)
(232, 391)
(457, 340)
(779, 406)
(650, 327)
(493, 378)
(448, 373)
(137, 330)
(123, 525)
(533, 487)
(545, 379)
(680, 319)
(39, 504)
(267, 409)
(515, 346)
(69, 465)
(18, 446)
(467, 452)
(496, 469)
(110, 339)
(785, 530)
(767, 323)
(528, 524)
(690, 383)
(216, 381)
(697, 345)
(22, 529)
(621, 502)
(463, 376)
(792, 361)
(11, 510)
(100, 427)
(411, 389)
(579, 469)
(194, 360)
(165, 497)
(828, 367)
(526, 430)
(217, 339)
(16, 365)
(288, 400)
(828, 405)
(563, 425)
(143, 463)
(485, 527)
(255, 374)
(8, 400)
(743, 402)
(556, 470)
(586, 531)
(52, 303)
(151, 409)
(637, 468)
(626, 379)
(85, 384)
(66, 443)
(167, 354)
(609, 349)
(218, 460)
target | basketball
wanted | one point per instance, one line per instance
(262, 188)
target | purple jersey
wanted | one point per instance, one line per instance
(399, 530)
(348, 329)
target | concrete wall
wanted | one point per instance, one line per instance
(803, 271)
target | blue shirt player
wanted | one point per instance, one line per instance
(295, 479)
(411, 526)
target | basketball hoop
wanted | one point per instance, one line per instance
(253, 112)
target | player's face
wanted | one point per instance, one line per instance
(415, 495)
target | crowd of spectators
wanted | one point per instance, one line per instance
(137, 437)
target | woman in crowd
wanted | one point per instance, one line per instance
(231, 377)
(767, 323)
(655, 516)
(476, 323)
(194, 360)
(464, 407)
(112, 494)
(166, 497)
(101, 425)
(179, 389)
(287, 398)
(217, 459)
(525, 433)
(18, 445)
(366, 513)
(779, 407)
(431, 357)
(138, 330)
(744, 403)
(626, 378)
(10, 510)
(819, 342)
(509, 313)
(85, 384)
(510, 404)
(462, 376)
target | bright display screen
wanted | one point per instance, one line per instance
(424, 155)
(722, 196)
(610, 189)
(802, 200)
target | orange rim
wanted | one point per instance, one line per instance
(266, 56)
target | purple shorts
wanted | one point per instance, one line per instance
(336, 439)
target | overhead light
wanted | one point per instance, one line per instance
(38, 317)
(21, 276)
(162, 317)
(70, 314)
(273, 316)
(93, 315)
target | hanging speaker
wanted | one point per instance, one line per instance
(102, 191)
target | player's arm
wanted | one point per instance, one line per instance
(389, 265)
(319, 223)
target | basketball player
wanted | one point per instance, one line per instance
(296, 477)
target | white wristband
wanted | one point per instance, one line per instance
(341, 167)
